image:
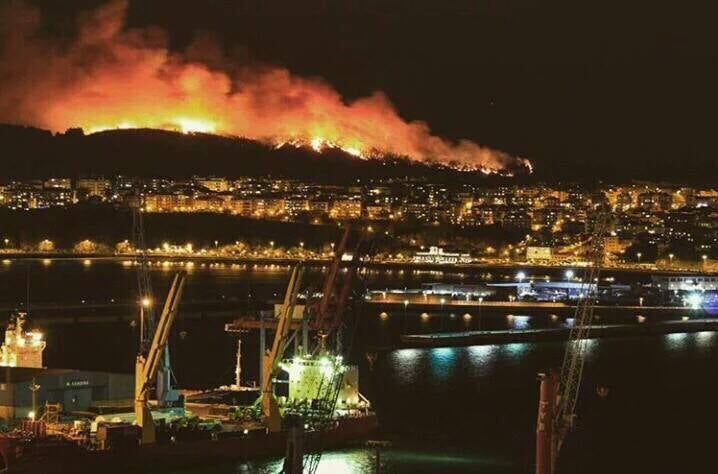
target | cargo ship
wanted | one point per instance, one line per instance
(307, 400)
(52, 453)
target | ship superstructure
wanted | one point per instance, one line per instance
(21, 348)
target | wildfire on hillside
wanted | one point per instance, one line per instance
(112, 77)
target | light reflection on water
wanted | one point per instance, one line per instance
(363, 460)
(678, 341)
(442, 362)
(519, 321)
(482, 355)
(516, 348)
(334, 462)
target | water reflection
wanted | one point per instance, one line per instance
(677, 341)
(518, 321)
(334, 462)
(516, 349)
(361, 460)
(406, 355)
(704, 339)
(482, 355)
(442, 362)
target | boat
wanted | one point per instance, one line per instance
(322, 407)
(60, 455)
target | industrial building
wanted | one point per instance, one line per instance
(561, 290)
(686, 283)
(26, 389)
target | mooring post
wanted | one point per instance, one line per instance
(545, 423)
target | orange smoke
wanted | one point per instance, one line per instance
(112, 77)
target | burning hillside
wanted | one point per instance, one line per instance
(112, 77)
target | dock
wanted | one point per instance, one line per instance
(470, 338)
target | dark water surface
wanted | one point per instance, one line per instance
(447, 410)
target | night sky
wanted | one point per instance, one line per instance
(608, 88)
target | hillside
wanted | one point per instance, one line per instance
(34, 153)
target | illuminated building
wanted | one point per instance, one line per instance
(346, 209)
(213, 183)
(437, 255)
(57, 183)
(97, 187)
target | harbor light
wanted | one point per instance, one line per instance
(467, 317)
(424, 316)
(694, 300)
(146, 302)
(520, 276)
(569, 274)
(31, 415)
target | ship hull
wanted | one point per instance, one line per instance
(49, 459)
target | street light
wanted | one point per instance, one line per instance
(639, 255)
(520, 276)
(481, 300)
(145, 303)
(569, 274)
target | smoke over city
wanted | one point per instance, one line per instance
(109, 77)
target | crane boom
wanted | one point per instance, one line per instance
(323, 309)
(165, 393)
(146, 367)
(270, 409)
(144, 284)
(575, 355)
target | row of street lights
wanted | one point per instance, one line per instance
(568, 274)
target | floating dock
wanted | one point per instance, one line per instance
(470, 338)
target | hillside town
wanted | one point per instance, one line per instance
(668, 226)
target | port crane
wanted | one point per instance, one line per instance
(149, 363)
(325, 315)
(270, 367)
(559, 391)
(163, 386)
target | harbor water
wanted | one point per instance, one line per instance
(449, 410)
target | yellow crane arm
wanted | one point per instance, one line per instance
(162, 331)
(283, 325)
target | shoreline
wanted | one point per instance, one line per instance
(7, 258)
